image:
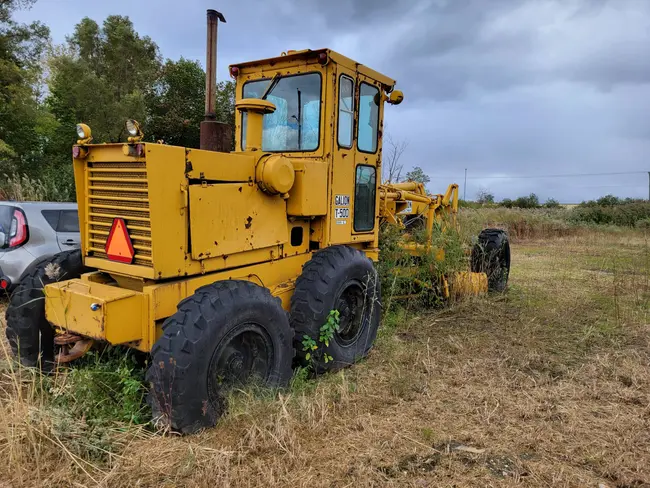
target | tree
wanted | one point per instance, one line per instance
(225, 105)
(484, 196)
(393, 151)
(417, 174)
(608, 201)
(176, 104)
(24, 124)
(101, 79)
(552, 203)
(507, 202)
(531, 201)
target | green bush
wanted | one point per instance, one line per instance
(418, 277)
(625, 214)
(552, 203)
(531, 201)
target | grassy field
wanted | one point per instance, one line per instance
(547, 385)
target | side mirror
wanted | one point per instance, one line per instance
(3, 240)
(396, 97)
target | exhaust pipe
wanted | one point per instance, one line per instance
(215, 136)
(211, 62)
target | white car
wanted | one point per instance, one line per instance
(31, 232)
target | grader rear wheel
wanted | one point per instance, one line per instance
(491, 255)
(336, 278)
(227, 335)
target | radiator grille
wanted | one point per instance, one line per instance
(119, 190)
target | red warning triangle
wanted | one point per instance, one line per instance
(118, 245)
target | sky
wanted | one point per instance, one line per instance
(513, 91)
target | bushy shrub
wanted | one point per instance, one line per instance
(622, 214)
(418, 277)
(551, 203)
(530, 201)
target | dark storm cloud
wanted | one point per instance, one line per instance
(493, 45)
(501, 87)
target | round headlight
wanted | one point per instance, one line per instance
(132, 128)
(83, 131)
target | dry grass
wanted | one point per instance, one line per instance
(548, 385)
(541, 223)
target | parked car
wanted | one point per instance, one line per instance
(31, 232)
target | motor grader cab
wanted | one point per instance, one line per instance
(196, 256)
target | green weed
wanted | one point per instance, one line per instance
(103, 388)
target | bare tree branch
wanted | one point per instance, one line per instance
(393, 150)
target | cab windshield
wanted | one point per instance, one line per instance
(295, 124)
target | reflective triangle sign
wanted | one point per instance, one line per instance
(118, 245)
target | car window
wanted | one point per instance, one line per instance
(52, 217)
(68, 221)
(6, 214)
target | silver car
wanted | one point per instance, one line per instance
(31, 232)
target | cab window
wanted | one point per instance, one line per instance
(295, 124)
(364, 198)
(346, 111)
(368, 118)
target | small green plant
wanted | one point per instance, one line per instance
(308, 345)
(103, 388)
(327, 330)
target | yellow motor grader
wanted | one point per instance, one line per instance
(221, 264)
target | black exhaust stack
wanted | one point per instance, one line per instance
(215, 136)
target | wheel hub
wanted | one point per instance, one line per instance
(351, 313)
(243, 356)
(236, 364)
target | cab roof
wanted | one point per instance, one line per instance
(308, 54)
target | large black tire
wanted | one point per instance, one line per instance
(336, 278)
(226, 335)
(491, 255)
(30, 335)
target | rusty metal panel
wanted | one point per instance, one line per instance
(216, 136)
(234, 217)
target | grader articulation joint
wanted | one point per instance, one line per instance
(196, 256)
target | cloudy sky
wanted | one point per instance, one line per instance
(504, 88)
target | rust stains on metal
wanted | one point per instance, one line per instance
(80, 346)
